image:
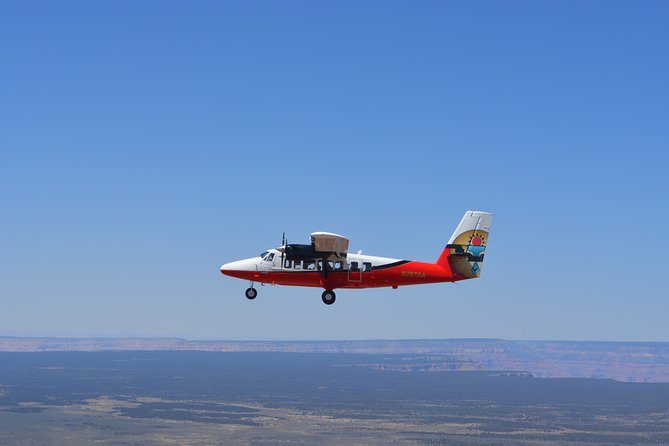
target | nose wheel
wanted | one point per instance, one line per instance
(250, 293)
(328, 297)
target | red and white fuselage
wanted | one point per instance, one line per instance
(370, 272)
(331, 268)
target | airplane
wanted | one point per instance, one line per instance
(326, 263)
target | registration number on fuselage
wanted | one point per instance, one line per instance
(413, 274)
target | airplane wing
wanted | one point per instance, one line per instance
(329, 242)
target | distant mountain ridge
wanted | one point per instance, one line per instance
(622, 361)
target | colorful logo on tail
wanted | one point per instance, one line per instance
(476, 248)
(467, 252)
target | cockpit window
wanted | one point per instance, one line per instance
(267, 256)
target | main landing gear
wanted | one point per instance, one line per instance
(328, 297)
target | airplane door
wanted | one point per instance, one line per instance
(355, 270)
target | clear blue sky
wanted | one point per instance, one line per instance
(143, 144)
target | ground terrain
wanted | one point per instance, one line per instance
(186, 397)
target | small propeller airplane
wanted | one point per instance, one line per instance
(326, 263)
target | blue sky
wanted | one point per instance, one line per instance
(143, 144)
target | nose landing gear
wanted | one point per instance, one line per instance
(250, 293)
(328, 297)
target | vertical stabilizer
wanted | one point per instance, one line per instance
(466, 247)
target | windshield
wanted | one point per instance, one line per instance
(267, 256)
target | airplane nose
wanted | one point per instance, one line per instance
(226, 267)
(232, 266)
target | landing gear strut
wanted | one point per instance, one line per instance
(328, 297)
(250, 293)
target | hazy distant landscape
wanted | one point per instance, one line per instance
(191, 397)
(622, 361)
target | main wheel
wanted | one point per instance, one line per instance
(328, 297)
(251, 293)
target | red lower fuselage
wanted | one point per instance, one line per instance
(394, 274)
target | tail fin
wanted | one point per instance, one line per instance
(466, 247)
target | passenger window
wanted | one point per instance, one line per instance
(337, 266)
(366, 266)
(320, 265)
(354, 266)
(297, 265)
(330, 264)
(310, 265)
(287, 264)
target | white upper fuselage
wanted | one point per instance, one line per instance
(270, 260)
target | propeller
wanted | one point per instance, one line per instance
(283, 251)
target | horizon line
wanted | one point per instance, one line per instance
(278, 340)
